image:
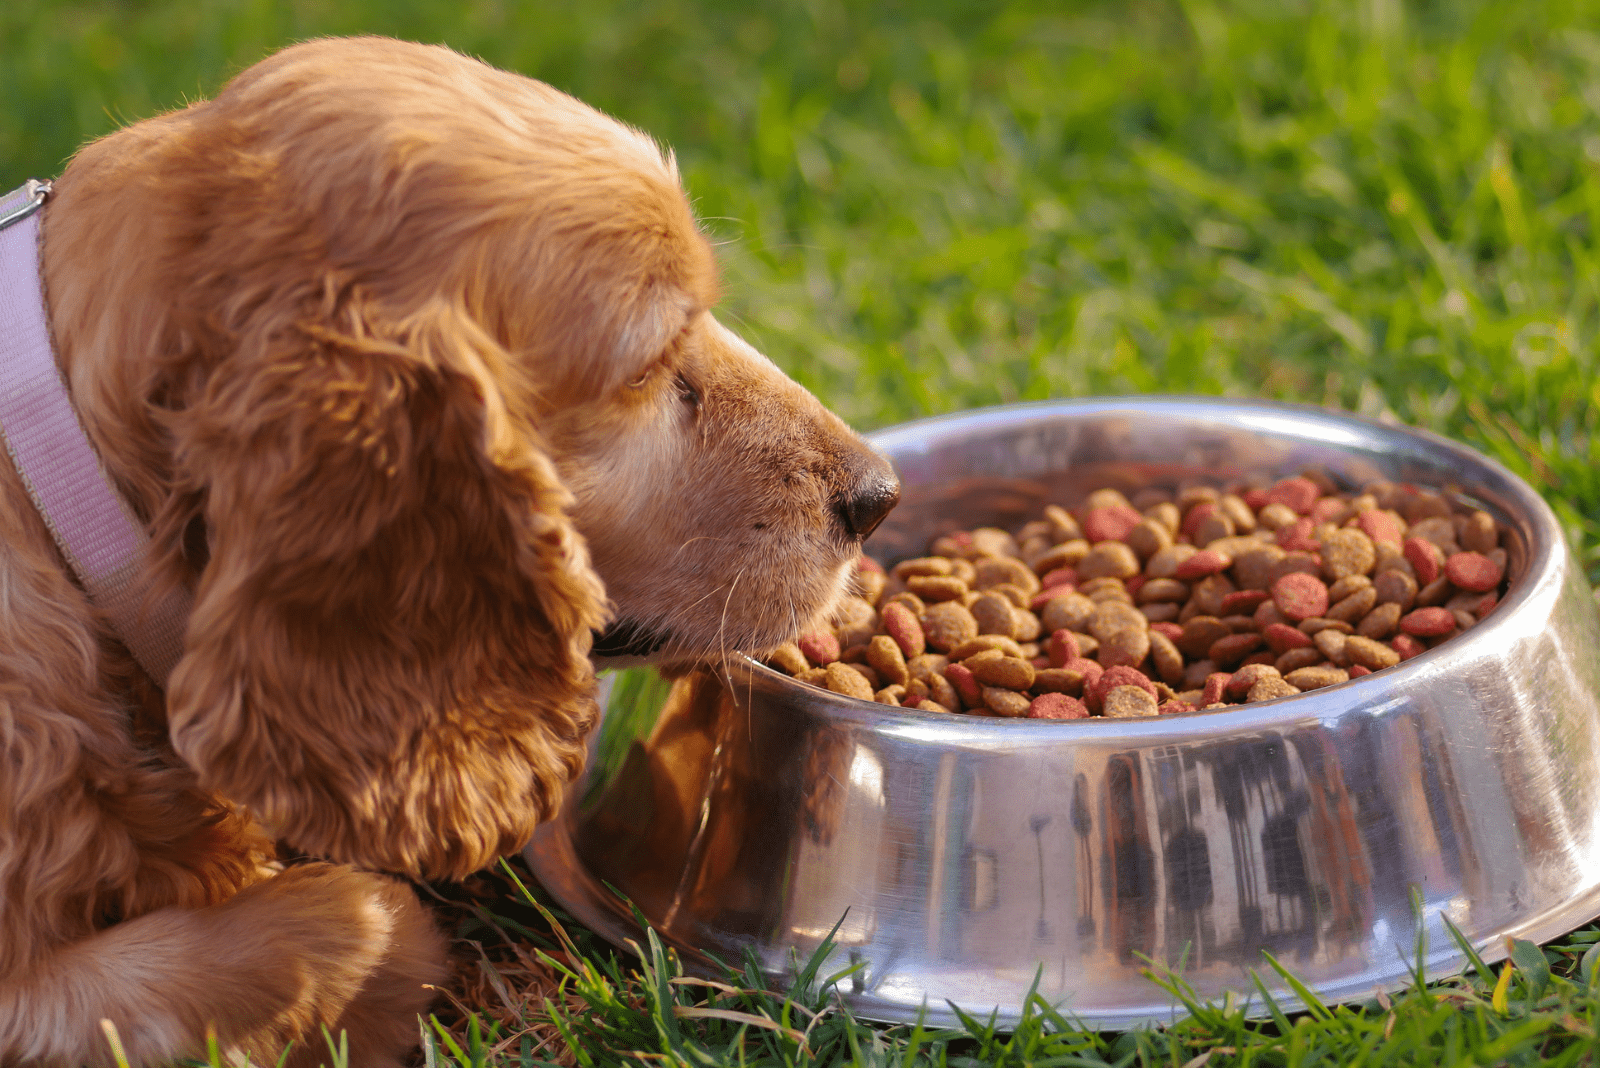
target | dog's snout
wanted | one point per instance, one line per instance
(874, 491)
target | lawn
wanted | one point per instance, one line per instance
(1382, 206)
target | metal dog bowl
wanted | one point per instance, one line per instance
(965, 860)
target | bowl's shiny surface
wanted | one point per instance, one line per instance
(970, 858)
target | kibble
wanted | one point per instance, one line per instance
(1169, 603)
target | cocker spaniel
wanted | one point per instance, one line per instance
(408, 367)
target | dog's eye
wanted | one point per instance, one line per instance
(690, 395)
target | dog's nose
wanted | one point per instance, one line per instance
(875, 492)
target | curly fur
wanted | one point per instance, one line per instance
(409, 366)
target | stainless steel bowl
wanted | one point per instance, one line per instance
(965, 860)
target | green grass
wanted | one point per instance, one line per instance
(925, 206)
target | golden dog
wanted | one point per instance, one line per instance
(408, 366)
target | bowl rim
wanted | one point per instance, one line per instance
(1544, 541)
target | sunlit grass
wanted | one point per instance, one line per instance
(1386, 207)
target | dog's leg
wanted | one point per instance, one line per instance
(317, 946)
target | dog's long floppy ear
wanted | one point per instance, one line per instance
(387, 659)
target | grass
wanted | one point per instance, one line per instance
(1388, 207)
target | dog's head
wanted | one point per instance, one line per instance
(447, 395)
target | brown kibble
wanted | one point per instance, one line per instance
(1128, 702)
(1355, 606)
(936, 588)
(870, 584)
(995, 570)
(1109, 559)
(927, 704)
(1161, 612)
(1112, 616)
(884, 654)
(1163, 590)
(1196, 673)
(1436, 592)
(1276, 516)
(814, 676)
(1238, 513)
(1331, 643)
(844, 679)
(1295, 659)
(1346, 586)
(1003, 702)
(1067, 554)
(1396, 587)
(1209, 593)
(921, 667)
(1233, 648)
(1106, 589)
(1058, 680)
(1370, 654)
(1164, 564)
(1167, 659)
(788, 659)
(1347, 552)
(1199, 633)
(947, 625)
(1126, 646)
(1167, 514)
(973, 646)
(1212, 528)
(994, 668)
(890, 695)
(1255, 568)
(922, 566)
(994, 615)
(1381, 622)
(1315, 678)
(1070, 611)
(1148, 538)
(1247, 676)
(1479, 534)
(940, 690)
(1270, 688)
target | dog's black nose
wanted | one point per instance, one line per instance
(875, 492)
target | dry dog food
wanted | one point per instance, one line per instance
(1170, 602)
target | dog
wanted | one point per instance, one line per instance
(408, 368)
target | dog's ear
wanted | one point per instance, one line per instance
(387, 661)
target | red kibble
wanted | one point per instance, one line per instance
(1061, 576)
(1121, 675)
(1358, 670)
(1281, 638)
(1049, 593)
(1203, 563)
(1406, 646)
(1171, 631)
(1425, 559)
(1473, 571)
(1299, 494)
(1234, 647)
(821, 647)
(1216, 686)
(1089, 669)
(1040, 663)
(867, 563)
(966, 684)
(1196, 515)
(1132, 585)
(1255, 499)
(1296, 537)
(1428, 622)
(1243, 602)
(1300, 596)
(1057, 706)
(1326, 508)
(901, 624)
(1063, 646)
(1173, 707)
(1486, 605)
(1111, 522)
(1380, 527)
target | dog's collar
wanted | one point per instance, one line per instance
(95, 529)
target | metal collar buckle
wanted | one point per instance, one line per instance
(22, 201)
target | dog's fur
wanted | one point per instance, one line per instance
(409, 366)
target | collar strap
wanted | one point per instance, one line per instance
(94, 527)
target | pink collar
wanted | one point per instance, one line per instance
(96, 530)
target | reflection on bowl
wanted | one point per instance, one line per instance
(965, 859)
